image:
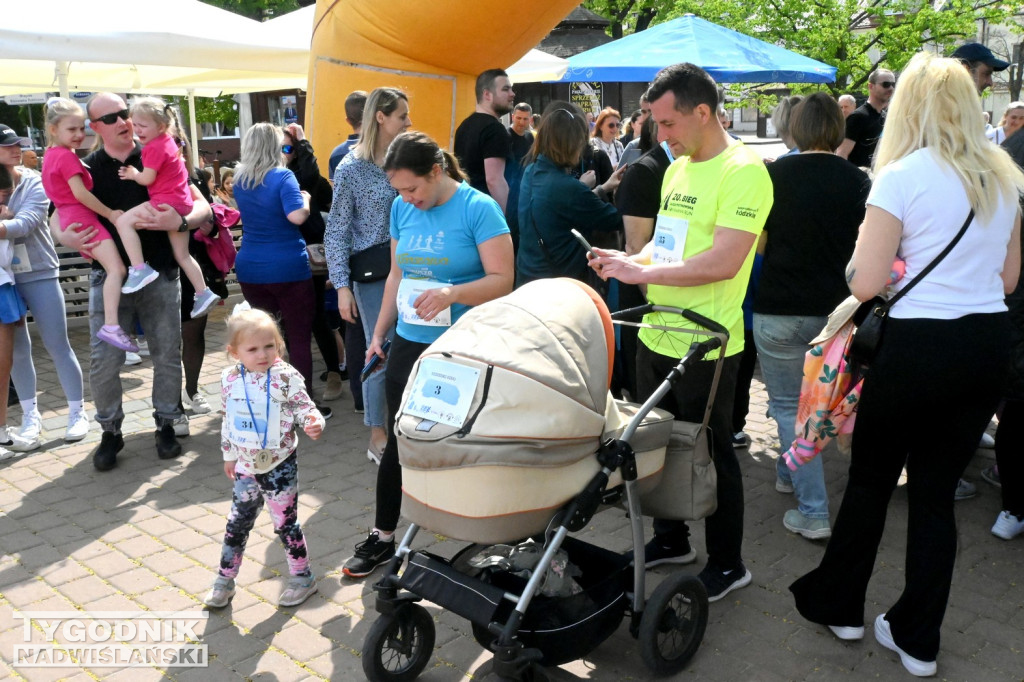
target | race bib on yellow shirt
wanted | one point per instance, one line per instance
(669, 239)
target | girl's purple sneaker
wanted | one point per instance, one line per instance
(117, 338)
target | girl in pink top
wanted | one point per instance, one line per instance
(67, 183)
(165, 175)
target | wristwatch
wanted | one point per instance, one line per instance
(184, 225)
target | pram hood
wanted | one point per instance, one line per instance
(537, 364)
(544, 355)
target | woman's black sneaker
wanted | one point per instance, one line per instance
(370, 554)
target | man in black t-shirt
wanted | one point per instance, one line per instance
(864, 125)
(482, 143)
(157, 306)
(520, 133)
(521, 138)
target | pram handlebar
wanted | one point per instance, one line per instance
(696, 318)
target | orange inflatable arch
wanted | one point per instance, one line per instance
(431, 51)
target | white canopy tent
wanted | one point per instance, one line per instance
(182, 48)
(185, 48)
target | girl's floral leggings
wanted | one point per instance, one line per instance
(279, 488)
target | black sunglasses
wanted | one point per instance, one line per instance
(111, 119)
(888, 84)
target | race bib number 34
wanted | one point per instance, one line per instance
(442, 392)
(248, 429)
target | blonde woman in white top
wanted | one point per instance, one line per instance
(938, 375)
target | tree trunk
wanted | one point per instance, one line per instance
(1016, 72)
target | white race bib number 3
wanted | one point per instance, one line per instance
(411, 289)
(443, 392)
(669, 239)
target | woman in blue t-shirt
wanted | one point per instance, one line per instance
(450, 250)
(272, 265)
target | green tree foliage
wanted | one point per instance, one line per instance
(256, 9)
(630, 16)
(221, 110)
(855, 36)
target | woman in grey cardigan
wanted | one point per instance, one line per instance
(23, 222)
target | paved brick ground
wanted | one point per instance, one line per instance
(147, 535)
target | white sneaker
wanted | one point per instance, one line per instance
(6, 454)
(1007, 526)
(27, 438)
(914, 666)
(181, 426)
(131, 358)
(143, 346)
(78, 427)
(199, 404)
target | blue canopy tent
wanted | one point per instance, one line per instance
(729, 56)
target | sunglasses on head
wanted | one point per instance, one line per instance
(287, 148)
(888, 84)
(111, 119)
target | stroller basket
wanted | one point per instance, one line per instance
(562, 628)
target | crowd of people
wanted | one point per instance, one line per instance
(677, 211)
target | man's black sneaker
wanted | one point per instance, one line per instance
(167, 446)
(325, 411)
(657, 553)
(719, 584)
(370, 554)
(104, 457)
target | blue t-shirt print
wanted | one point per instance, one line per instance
(441, 245)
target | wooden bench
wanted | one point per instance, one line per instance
(74, 281)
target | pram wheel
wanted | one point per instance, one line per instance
(399, 645)
(673, 623)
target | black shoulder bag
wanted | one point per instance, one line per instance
(872, 315)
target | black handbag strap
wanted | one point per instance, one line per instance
(931, 266)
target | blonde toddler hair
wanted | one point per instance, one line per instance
(58, 108)
(241, 323)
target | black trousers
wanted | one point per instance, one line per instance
(687, 401)
(401, 358)
(925, 403)
(1010, 456)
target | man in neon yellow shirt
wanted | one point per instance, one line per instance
(715, 200)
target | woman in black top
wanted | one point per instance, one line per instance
(811, 231)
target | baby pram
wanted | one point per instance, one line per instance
(508, 431)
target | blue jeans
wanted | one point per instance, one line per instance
(369, 296)
(782, 341)
(158, 307)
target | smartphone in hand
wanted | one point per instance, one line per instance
(374, 361)
(583, 240)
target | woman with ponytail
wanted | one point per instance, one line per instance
(450, 250)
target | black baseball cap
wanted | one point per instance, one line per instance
(976, 52)
(9, 137)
